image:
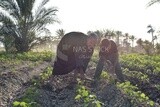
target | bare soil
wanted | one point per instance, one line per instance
(11, 82)
(62, 91)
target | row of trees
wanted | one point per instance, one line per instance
(124, 40)
(23, 25)
(148, 46)
(107, 33)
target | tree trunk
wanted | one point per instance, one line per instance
(21, 45)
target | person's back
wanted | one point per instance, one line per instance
(71, 53)
(69, 43)
(109, 51)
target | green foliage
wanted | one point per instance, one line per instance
(157, 86)
(136, 74)
(85, 97)
(35, 56)
(157, 48)
(108, 77)
(136, 96)
(42, 77)
(60, 33)
(139, 67)
(29, 98)
(47, 73)
(138, 62)
(94, 59)
(104, 75)
(27, 56)
(20, 104)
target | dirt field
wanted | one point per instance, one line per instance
(25, 80)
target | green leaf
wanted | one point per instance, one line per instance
(142, 95)
(151, 103)
(92, 96)
(85, 93)
(78, 97)
(16, 103)
(98, 104)
(23, 104)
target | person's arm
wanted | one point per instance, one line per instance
(79, 60)
(79, 49)
(118, 72)
(79, 65)
(99, 68)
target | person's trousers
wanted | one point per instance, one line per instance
(114, 63)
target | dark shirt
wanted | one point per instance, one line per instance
(72, 53)
(108, 51)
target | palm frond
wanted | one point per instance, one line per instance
(8, 26)
(19, 20)
(152, 2)
(49, 12)
(40, 7)
(11, 7)
(5, 17)
(44, 30)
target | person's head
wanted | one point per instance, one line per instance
(92, 40)
(105, 42)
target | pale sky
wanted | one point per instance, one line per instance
(128, 16)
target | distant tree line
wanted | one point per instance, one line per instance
(23, 26)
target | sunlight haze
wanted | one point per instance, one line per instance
(128, 16)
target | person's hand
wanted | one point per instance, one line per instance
(79, 73)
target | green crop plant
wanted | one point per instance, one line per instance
(139, 62)
(105, 75)
(47, 73)
(20, 104)
(27, 56)
(136, 96)
(158, 87)
(29, 98)
(85, 97)
(139, 75)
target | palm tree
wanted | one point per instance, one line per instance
(151, 30)
(147, 46)
(158, 48)
(139, 42)
(126, 35)
(106, 33)
(155, 38)
(132, 38)
(118, 34)
(125, 41)
(113, 34)
(99, 33)
(109, 34)
(25, 22)
(60, 33)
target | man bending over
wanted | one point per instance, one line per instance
(108, 54)
(74, 52)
